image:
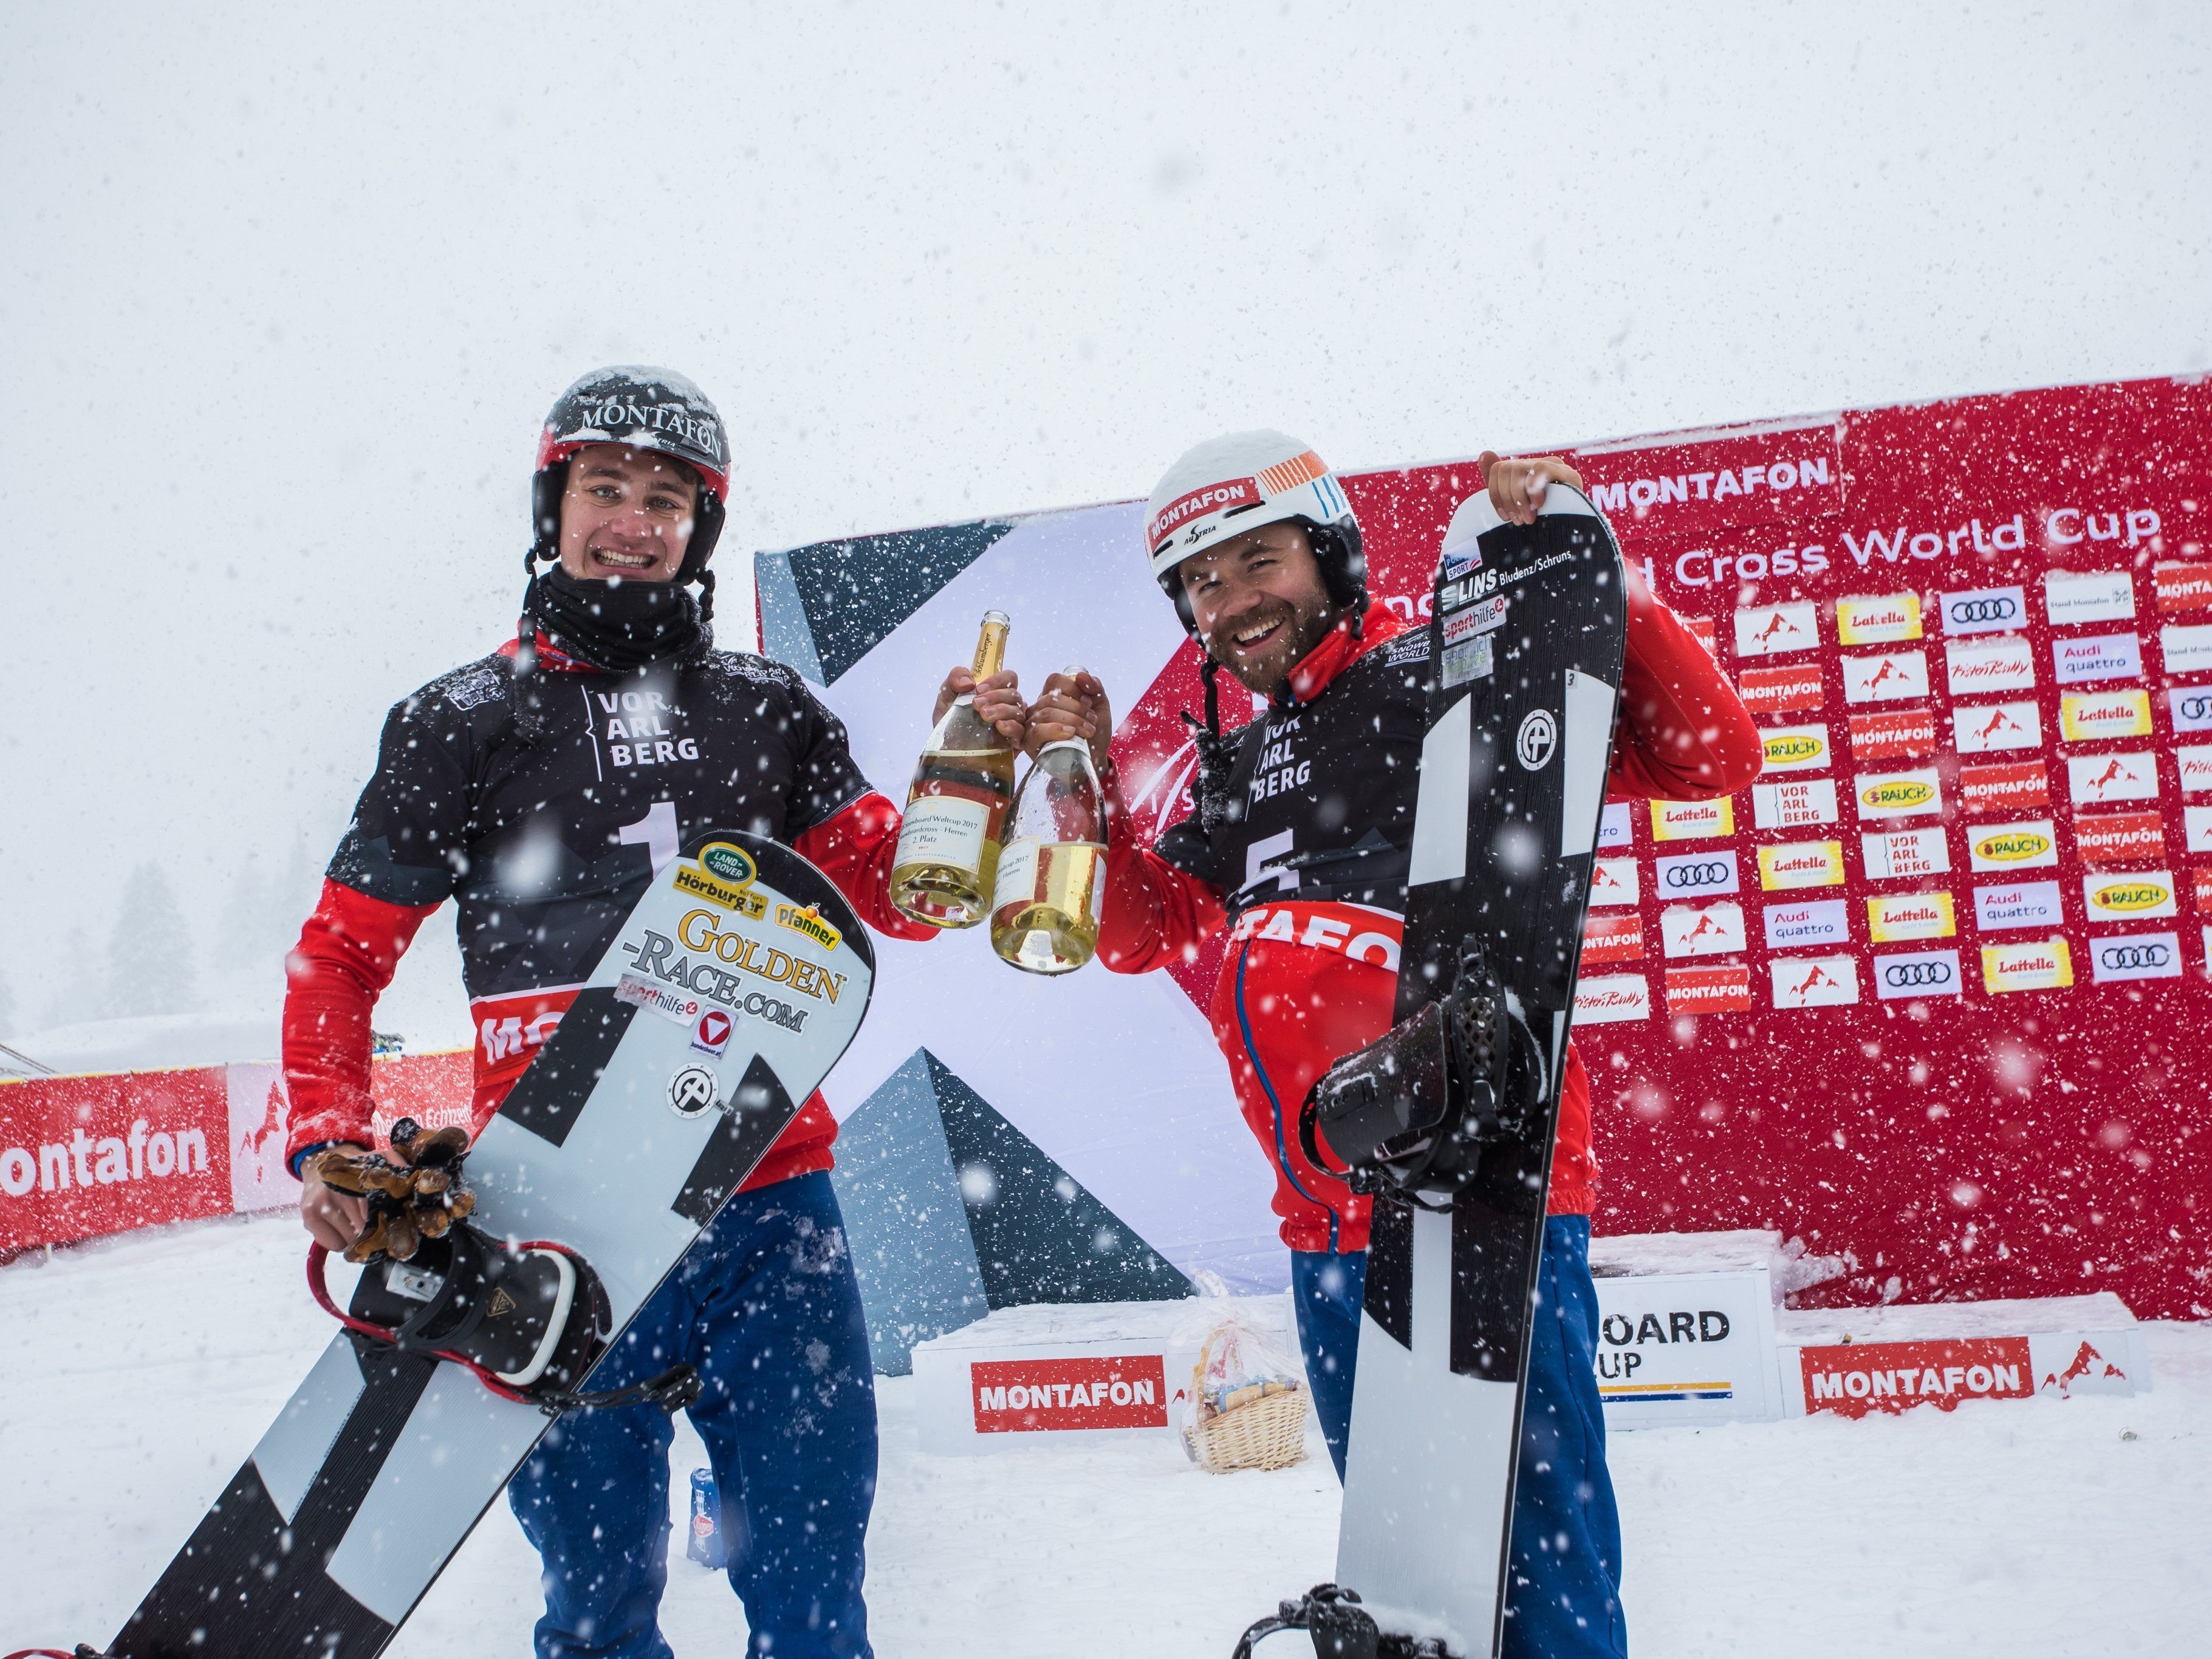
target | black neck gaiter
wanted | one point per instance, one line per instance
(618, 626)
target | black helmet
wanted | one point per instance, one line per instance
(646, 409)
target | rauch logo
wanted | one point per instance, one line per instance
(2128, 895)
(1793, 746)
(1897, 792)
(2010, 846)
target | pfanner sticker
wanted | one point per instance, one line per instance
(1719, 990)
(2010, 787)
(1692, 820)
(2086, 716)
(2128, 895)
(1889, 677)
(2016, 904)
(1919, 974)
(1986, 610)
(1997, 664)
(2183, 586)
(2081, 660)
(2071, 598)
(1612, 936)
(1795, 748)
(1782, 690)
(2101, 779)
(1614, 881)
(2135, 956)
(1763, 630)
(2120, 837)
(1807, 921)
(1616, 828)
(2036, 965)
(1883, 734)
(2190, 707)
(1905, 854)
(1814, 981)
(1710, 930)
(1694, 874)
(1608, 997)
(2030, 844)
(1794, 806)
(1996, 726)
(1801, 864)
(1883, 620)
(1898, 794)
(2187, 650)
(1900, 918)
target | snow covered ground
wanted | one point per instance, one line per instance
(138, 1372)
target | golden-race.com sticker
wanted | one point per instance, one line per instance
(1897, 917)
(2085, 715)
(2039, 965)
(1801, 864)
(2128, 895)
(2026, 845)
(1692, 820)
(1882, 621)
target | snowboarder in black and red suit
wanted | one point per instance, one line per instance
(1299, 849)
(540, 788)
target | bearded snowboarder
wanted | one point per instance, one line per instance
(1298, 849)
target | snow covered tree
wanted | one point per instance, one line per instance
(150, 953)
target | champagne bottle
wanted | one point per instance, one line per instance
(948, 845)
(1052, 871)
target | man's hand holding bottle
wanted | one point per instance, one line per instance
(1071, 707)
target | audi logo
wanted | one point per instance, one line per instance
(2000, 609)
(1695, 875)
(2134, 956)
(1902, 974)
(2196, 707)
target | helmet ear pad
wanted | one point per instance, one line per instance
(551, 482)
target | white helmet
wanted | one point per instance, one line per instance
(1230, 485)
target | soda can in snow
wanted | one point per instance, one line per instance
(705, 1545)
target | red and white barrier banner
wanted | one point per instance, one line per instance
(1856, 1378)
(80, 1157)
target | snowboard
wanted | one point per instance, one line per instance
(1526, 641)
(731, 989)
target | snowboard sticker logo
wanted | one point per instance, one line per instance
(1538, 737)
(712, 1036)
(691, 1092)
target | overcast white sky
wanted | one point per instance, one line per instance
(286, 292)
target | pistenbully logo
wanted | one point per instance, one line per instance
(1538, 737)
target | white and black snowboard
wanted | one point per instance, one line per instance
(1527, 644)
(733, 987)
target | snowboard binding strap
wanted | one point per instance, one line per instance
(1413, 1109)
(1340, 1628)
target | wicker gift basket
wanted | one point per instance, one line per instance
(1260, 1426)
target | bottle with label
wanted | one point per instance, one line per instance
(1051, 870)
(948, 845)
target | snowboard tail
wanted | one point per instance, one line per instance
(656, 1096)
(1527, 644)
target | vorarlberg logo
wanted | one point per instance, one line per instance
(2128, 895)
(2009, 846)
(2116, 957)
(1999, 609)
(1903, 974)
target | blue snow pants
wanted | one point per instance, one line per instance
(1562, 1594)
(766, 1307)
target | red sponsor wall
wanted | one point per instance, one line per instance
(1936, 1002)
(80, 1157)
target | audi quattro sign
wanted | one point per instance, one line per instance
(1678, 1348)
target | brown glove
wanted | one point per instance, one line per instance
(407, 1202)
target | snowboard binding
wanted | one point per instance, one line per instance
(1413, 1109)
(1340, 1628)
(530, 1319)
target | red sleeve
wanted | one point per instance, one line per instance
(855, 849)
(1153, 913)
(1684, 733)
(346, 956)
